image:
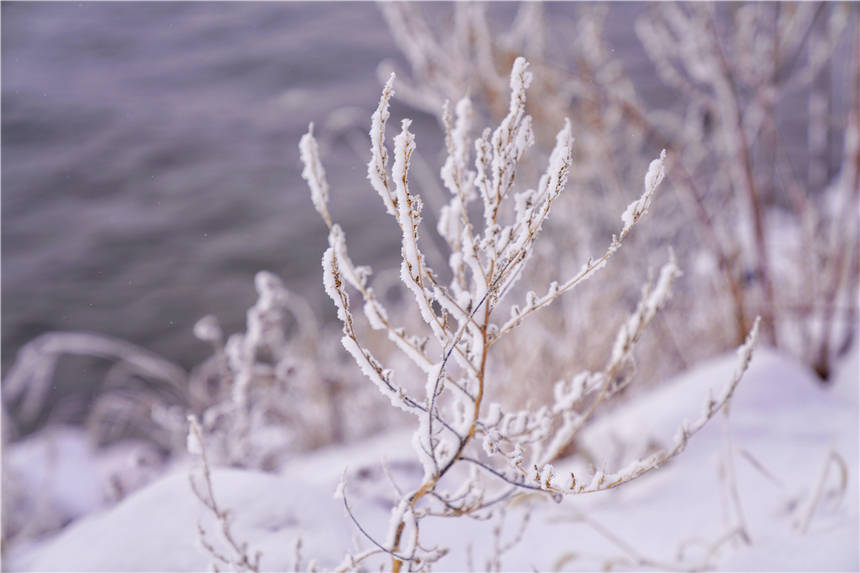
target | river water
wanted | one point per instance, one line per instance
(150, 162)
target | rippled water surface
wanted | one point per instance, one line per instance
(150, 163)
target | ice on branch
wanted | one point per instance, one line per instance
(655, 175)
(505, 451)
(377, 167)
(314, 174)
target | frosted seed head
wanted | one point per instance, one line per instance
(192, 442)
(268, 284)
(207, 329)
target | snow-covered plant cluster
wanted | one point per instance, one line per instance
(475, 453)
(739, 76)
(263, 396)
(237, 558)
(118, 413)
(747, 211)
(264, 393)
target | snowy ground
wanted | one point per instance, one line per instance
(789, 438)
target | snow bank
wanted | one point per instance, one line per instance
(782, 429)
(155, 529)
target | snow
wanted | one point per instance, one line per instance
(782, 426)
(155, 529)
(781, 417)
(58, 463)
(57, 476)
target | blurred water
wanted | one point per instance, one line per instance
(150, 159)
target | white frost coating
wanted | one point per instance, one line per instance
(422, 447)
(521, 79)
(567, 394)
(483, 160)
(480, 284)
(207, 329)
(682, 434)
(314, 173)
(662, 289)
(396, 518)
(449, 304)
(434, 377)
(515, 424)
(460, 135)
(508, 143)
(494, 416)
(377, 167)
(489, 445)
(375, 312)
(372, 370)
(653, 178)
(411, 347)
(531, 216)
(746, 350)
(192, 442)
(408, 206)
(453, 172)
(597, 480)
(375, 315)
(712, 406)
(404, 145)
(448, 226)
(355, 276)
(632, 470)
(546, 475)
(269, 287)
(560, 159)
(653, 300)
(368, 365)
(464, 299)
(330, 280)
(523, 139)
(408, 216)
(656, 171)
(340, 490)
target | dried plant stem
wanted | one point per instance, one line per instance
(240, 559)
(743, 176)
(845, 261)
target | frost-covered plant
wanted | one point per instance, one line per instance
(263, 394)
(272, 390)
(734, 79)
(474, 453)
(35, 395)
(237, 557)
(728, 116)
(611, 155)
(134, 379)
